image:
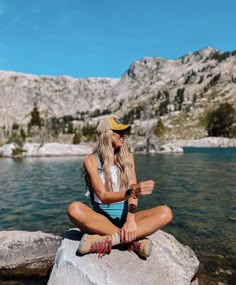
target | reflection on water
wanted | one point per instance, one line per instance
(199, 186)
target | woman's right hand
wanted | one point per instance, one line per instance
(142, 188)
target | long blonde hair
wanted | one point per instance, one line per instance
(103, 147)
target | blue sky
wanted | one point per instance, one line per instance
(101, 38)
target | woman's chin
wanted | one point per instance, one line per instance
(119, 144)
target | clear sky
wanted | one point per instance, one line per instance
(101, 38)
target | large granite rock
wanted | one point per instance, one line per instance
(56, 96)
(151, 145)
(171, 263)
(205, 142)
(27, 253)
(48, 149)
(168, 148)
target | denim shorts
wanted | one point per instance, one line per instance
(115, 212)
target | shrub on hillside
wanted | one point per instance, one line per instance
(222, 121)
(218, 56)
(159, 128)
(133, 114)
(163, 108)
(179, 99)
(89, 132)
(17, 151)
(35, 117)
(23, 134)
(70, 128)
(15, 127)
(77, 138)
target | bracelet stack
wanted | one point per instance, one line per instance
(133, 191)
(134, 188)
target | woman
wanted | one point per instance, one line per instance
(111, 179)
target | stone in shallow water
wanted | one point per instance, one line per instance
(170, 263)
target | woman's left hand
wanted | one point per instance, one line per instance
(128, 231)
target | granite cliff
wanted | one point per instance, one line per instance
(179, 92)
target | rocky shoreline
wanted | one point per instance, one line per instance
(57, 149)
(205, 142)
(83, 149)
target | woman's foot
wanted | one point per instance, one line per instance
(103, 244)
(95, 243)
(142, 247)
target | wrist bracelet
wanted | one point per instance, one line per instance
(134, 187)
(129, 193)
(132, 208)
(132, 191)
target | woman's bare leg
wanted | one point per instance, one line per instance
(89, 221)
(151, 220)
(148, 221)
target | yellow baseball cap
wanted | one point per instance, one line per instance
(111, 123)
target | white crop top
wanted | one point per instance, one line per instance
(115, 182)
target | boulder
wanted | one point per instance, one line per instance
(170, 263)
(151, 144)
(168, 148)
(56, 149)
(6, 150)
(27, 253)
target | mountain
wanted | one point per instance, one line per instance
(179, 92)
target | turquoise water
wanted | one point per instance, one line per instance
(199, 186)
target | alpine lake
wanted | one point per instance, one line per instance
(198, 185)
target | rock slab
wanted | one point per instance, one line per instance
(170, 263)
(27, 253)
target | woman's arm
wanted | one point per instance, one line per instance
(91, 167)
(132, 203)
(128, 231)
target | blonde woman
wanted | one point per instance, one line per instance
(114, 192)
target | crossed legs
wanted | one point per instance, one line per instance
(89, 221)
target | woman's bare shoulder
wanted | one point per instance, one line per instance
(90, 161)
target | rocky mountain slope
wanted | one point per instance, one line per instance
(180, 92)
(55, 96)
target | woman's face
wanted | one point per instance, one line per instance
(118, 138)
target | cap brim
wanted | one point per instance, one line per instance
(121, 127)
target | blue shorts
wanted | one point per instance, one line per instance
(115, 212)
